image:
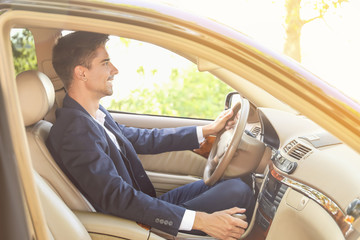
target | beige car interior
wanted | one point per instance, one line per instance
(70, 216)
(36, 90)
(62, 201)
(58, 194)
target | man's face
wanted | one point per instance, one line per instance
(101, 74)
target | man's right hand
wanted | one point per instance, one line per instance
(221, 224)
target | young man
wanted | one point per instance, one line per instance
(100, 156)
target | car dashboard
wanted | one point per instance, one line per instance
(311, 177)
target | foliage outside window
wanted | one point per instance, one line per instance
(23, 49)
(191, 94)
(169, 85)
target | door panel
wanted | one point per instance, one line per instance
(173, 169)
(165, 182)
(179, 162)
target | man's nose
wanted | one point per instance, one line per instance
(114, 70)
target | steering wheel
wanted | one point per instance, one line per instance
(226, 144)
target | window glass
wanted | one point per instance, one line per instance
(23, 48)
(153, 80)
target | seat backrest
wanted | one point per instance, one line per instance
(61, 221)
(36, 94)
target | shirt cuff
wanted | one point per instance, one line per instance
(200, 135)
(187, 221)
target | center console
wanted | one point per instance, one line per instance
(269, 199)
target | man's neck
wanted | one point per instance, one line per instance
(90, 104)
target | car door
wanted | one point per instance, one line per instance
(159, 92)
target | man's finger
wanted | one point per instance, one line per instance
(238, 233)
(224, 113)
(235, 210)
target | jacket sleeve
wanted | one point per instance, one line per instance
(152, 141)
(83, 154)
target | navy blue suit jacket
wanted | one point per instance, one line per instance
(114, 181)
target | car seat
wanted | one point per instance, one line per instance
(67, 212)
(37, 95)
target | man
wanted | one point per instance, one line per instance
(100, 156)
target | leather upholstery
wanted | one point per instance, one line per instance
(45, 165)
(35, 89)
(58, 196)
(61, 221)
(36, 94)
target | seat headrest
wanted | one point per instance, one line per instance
(36, 94)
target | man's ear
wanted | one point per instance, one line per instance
(79, 72)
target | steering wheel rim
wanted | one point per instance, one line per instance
(218, 161)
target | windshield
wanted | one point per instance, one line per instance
(325, 38)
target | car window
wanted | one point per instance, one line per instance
(153, 80)
(23, 48)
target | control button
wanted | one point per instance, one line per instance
(260, 219)
(273, 211)
(284, 164)
(354, 209)
(291, 167)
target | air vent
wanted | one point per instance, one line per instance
(296, 150)
(255, 130)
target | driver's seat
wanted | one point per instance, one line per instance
(37, 95)
(68, 214)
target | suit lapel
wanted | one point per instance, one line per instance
(119, 137)
(146, 185)
(121, 141)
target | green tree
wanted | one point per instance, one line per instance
(294, 22)
(190, 94)
(23, 48)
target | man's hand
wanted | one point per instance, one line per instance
(219, 123)
(221, 224)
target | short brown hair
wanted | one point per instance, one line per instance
(77, 48)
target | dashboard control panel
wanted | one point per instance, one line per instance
(269, 200)
(283, 164)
